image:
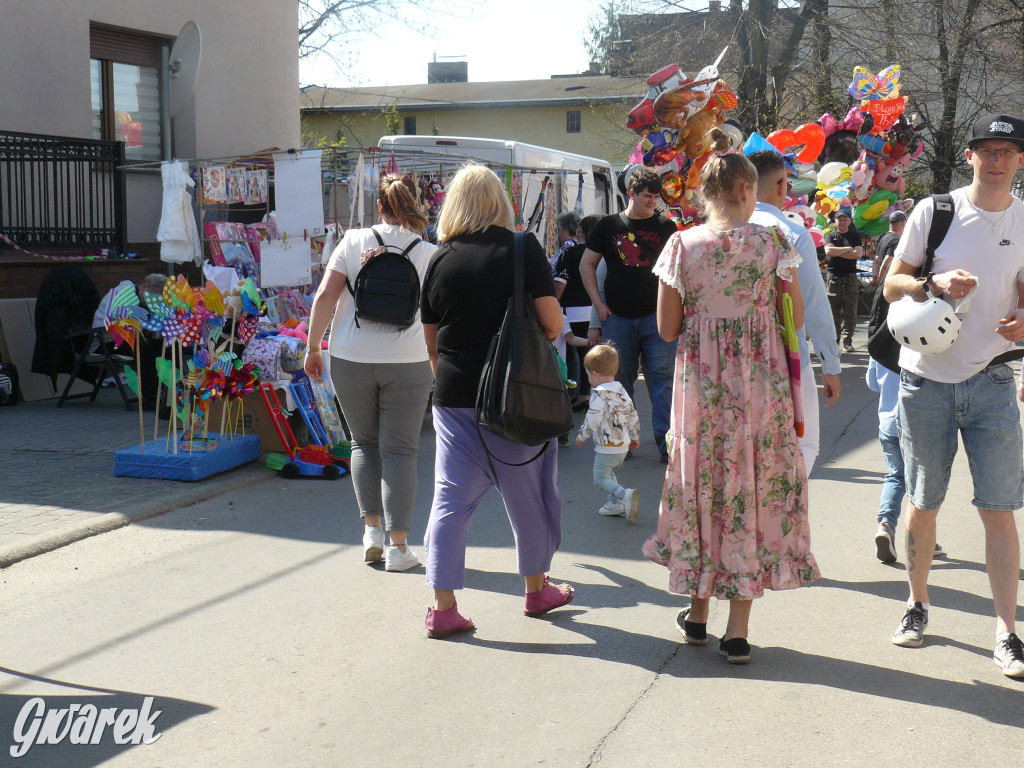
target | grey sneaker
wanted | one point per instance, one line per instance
(910, 632)
(397, 560)
(939, 551)
(1009, 655)
(885, 543)
(373, 545)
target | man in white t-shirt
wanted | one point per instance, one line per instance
(968, 389)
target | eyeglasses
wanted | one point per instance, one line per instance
(996, 154)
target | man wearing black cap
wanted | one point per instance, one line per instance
(968, 389)
(842, 249)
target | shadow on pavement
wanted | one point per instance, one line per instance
(79, 725)
(943, 598)
(995, 703)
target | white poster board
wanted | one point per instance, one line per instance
(298, 193)
(285, 263)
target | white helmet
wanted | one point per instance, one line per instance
(927, 327)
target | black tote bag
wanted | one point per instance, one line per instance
(521, 396)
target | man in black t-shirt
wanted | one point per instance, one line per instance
(842, 249)
(630, 243)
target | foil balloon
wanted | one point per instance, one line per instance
(807, 141)
(866, 86)
(833, 173)
(672, 187)
(885, 112)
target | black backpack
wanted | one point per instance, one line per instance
(881, 345)
(387, 288)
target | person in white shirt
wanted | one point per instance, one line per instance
(381, 374)
(772, 186)
(968, 388)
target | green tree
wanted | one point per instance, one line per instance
(392, 123)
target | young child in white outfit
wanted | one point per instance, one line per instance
(613, 423)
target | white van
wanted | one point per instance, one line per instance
(598, 181)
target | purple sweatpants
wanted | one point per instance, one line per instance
(462, 475)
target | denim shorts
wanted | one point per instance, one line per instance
(983, 409)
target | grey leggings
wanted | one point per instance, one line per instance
(384, 405)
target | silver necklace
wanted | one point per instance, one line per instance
(993, 222)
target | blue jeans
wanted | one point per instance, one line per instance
(983, 410)
(633, 338)
(894, 486)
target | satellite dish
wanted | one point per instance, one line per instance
(183, 67)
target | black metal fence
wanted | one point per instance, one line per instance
(60, 192)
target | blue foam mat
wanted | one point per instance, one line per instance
(157, 462)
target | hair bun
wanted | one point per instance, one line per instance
(718, 139)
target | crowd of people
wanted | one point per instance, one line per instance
(734, 416)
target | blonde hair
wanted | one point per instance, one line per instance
(722, 173)
(475, 200)
(602, 359)
(400, 199)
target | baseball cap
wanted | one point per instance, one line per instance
(897, 217)
(844, 212)
(1001, 127)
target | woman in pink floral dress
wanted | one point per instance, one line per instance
(733, 515)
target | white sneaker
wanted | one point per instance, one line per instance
(631, 502)
(612, 509)
(397, 560)
(373, 545)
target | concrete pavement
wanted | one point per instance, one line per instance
(266, 641)
(57, 470)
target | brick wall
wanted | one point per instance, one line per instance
(21, 275)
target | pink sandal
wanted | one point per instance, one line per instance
(447, 622)
(551, 596)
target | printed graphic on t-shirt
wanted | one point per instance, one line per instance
(634, 247)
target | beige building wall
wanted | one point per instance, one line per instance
(603, 133)
(246, 98)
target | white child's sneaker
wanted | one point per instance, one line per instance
(613, 509)
(631, 501)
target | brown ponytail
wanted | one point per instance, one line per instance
(399, 199)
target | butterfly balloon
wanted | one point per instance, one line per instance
(865, 86)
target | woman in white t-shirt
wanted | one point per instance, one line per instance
(381, 373)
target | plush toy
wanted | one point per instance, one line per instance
(298, 332)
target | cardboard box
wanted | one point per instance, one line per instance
(257, 421)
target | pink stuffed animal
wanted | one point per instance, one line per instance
(299, 332)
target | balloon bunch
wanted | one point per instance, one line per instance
(673, 120)
(862, 157)
(879, 95)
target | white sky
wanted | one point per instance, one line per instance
(504, 40)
